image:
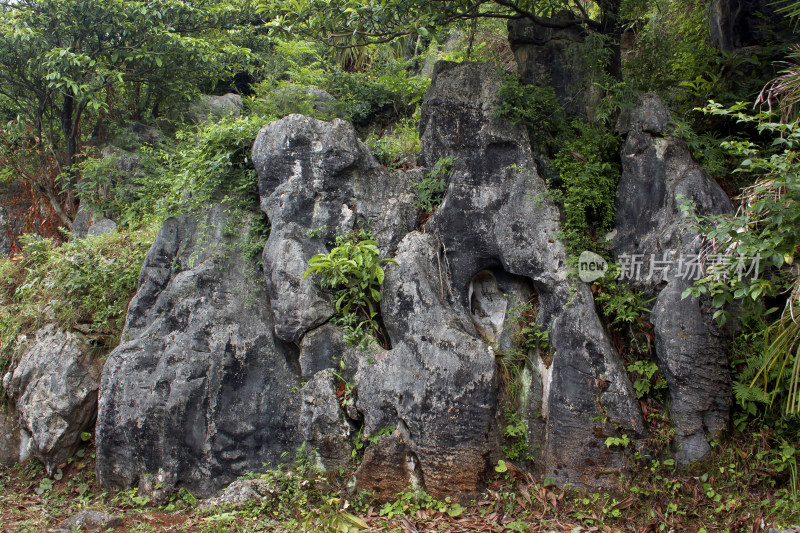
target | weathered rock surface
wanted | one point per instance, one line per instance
(90, 521)
(436, 386)
(199, 391)
(240, 493)
(495, 215)
(11, 449)
(554, 56)
(53, 390)
(89, 223)
(658, 172)
(318, 177)
(327, 433)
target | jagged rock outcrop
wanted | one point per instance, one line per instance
(316, 179)
(553, 56)
(53, 396)
(496, 214)
(436, 385)
(200, 390)
(658, 175)
(207, 384)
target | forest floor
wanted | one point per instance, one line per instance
(740, 490)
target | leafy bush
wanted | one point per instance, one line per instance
(534, 106)
(400, 146)
(431, 189)
(352, 269)
(673, 45)
(767, 227)
(589, 175)
(367, 98)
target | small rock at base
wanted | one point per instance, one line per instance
(89, 521)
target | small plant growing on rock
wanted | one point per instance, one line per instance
(352, 269)
(431, 189)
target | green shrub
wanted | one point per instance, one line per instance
(534, 106)
(589, 176)
(766, 227)
(430, 191)
(84, 285)
(366, 98)
(352, 269)
(400, 146)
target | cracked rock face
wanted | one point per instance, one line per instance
(658, 171)
(199, 391)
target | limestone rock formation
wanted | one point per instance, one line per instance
(223, 367)
(496, 215)
(658, 175)
(200, 390)
(316, 179)
(436, 386)
(553, 56)
(53, 394)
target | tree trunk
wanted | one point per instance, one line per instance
(69, 128)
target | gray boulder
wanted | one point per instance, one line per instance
(496, 215)
(212, 108)
(658, 175)
(240, 493)
(316, 179)
(53, 390)
(199, 391)
(90, 521)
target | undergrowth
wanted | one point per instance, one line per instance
(84, 286)
(748, 480)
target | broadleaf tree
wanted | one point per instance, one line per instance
(65, 63)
